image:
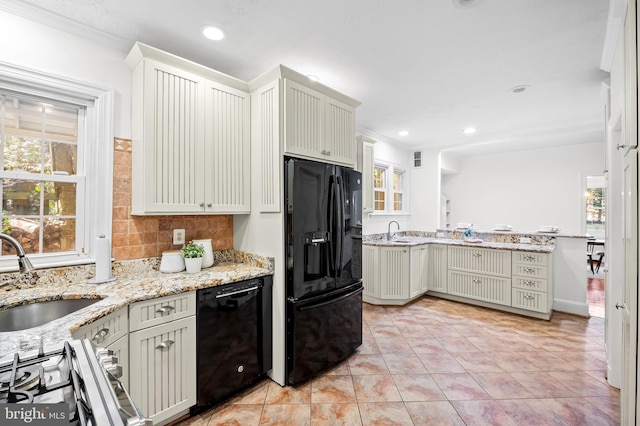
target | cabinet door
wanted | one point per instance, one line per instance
(370, 271)
(162, 362)
(340, 134)
(394, 273)
(480, 287)
(418, 275)
(106, 330)
(367, 177)
(227, 155)
(173, 151)
(484, 261)
(438, 268)
(304, 121)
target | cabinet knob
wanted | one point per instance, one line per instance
(202, 204)
(328, 152)
(100, 335)
(164, 309)
(165, 345)
(209, 204)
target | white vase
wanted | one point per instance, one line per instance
(207, 260)
(193, 264)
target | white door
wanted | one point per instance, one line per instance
(630, 302)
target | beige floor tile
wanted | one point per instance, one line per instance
(384, 413)
(413, 387)
(439, 413)
(375, 388)
(483, 412)
(332, 389)
(335, 415)
(285, 415)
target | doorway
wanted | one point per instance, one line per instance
(595, 214)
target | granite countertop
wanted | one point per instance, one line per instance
(415, 241)
(126, 289)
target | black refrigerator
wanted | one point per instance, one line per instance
(323, 237)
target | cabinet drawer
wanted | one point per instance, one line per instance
(533, 271)
(161, 310)
(480, 287)
(537, 284)
(105, 330)
(530, 258)
(483, 261)
(530, 300)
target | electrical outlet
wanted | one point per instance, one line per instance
(525, 240)
(178, 236)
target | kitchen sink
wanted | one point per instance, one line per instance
(401, 241)
(35, 314)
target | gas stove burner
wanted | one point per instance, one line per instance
(26, 378)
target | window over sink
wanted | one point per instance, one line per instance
(388, 187)
(56, 159)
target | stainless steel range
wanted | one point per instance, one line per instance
(75, 374)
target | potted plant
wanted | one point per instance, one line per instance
(193, 254)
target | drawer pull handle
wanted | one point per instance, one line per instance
(528, 270)
(165, 310)
(165, 345)
(477, 281)
(532, 258)
(477, 254)
(100, 335)
(529, 282)
(529, 297)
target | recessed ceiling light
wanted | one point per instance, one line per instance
(212, 33)
(520, 89)
(469, 130)
(403, 133)
(313, 77)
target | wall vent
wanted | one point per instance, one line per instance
(417, 159)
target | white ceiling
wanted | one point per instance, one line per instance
(432, 67)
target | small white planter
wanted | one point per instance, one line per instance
(193, 264)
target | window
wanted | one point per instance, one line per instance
(379, 188)
(391, 188)
(56, 156)
(40, 180)
(398, 187)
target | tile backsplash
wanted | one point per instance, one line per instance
(139, 237)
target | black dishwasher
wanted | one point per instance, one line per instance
(233, 338)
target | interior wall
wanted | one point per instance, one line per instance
(38, 47)
(388, 153)
(525, 189)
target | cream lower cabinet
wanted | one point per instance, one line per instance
(162, 356)
(437, 280)
(532, 281)
(394, 275)
(110, 332)
(419, 270)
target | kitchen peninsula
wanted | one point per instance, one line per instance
(524, 273)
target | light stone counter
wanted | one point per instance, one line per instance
(136, 281)
(409, 241)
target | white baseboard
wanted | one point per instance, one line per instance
(571, 307)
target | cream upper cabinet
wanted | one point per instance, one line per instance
(318, 126)
(191, 137)
(366, 149)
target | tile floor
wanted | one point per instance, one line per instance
(437, 362)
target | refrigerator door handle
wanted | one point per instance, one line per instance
(340, 224)
(329, 302)
(332, 219)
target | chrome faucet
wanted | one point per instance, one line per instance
(389, 229)
(23, 262)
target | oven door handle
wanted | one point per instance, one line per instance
(138, 417)
(233, 293)
(329, 302)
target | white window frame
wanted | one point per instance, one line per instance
(390, 169)
(94, 192)
(400, 191)
(385, 183)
